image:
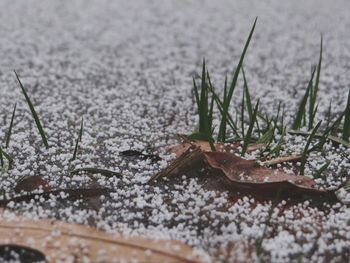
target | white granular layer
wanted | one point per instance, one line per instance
(126, 67)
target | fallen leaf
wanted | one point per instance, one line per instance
(188, 159)
(60, 241)
(71, 194)
(31, 183)
(249, 174)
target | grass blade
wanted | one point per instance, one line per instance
(321, 170)
(267, 136)
(1, 159)
(35, 115)
(219, 104)
(346, 128)
(80, 135)
(242, 113)
(306, 148)
(248, 98)
(314, 90)
(8, 137)
(250, 129)
(301, 111)
(203, 110)
(223, 123)
(93, 170)
(329, 114)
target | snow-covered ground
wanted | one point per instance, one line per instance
(126, 67)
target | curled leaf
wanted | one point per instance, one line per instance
(249, 174)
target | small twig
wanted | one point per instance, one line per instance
(278, 160)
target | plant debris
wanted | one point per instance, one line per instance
(249, 174)
(138, 154)
(59, 241)
(242, 173)
(31, 183)
(93, 170)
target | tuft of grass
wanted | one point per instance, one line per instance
(248, 136)
(8, 137)
(35, 115)
(346, 128)
(302, 107)
(80, 135)
(227, 100)
(306, 148)
(205, 113)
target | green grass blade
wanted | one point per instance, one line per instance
(301, 111)
(219, 104)
(248, 98)
(211, 108)
(306, 148)
(346, 128)
(80, 135)
(203, 103)
(242, 114)
(9, 132)
(314, 90)
(1, 159)
(333, 128)
(277, 149)
(35, 115)
(9, 159)
(267, 136)
(329, 114)
(195, 89)
(223, 123)
(250, 129)
(319, 172)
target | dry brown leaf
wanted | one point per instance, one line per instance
(60, 241)
(31, 183)
(192, 156)
(249, 174)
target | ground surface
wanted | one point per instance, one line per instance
(126, 67)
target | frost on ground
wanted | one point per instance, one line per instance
(126, 67)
